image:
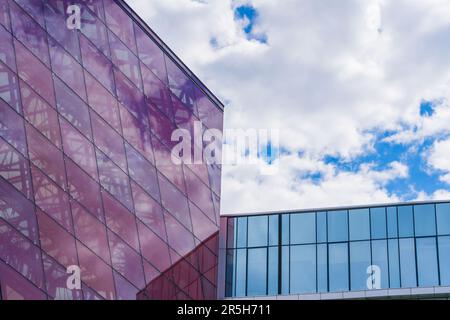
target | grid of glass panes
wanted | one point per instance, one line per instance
(331, 251)
(86, 176)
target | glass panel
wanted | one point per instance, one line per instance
(257, 272)
(240, 272)
(114, 180)
(120, 220)
(322, 268)
(4, 14)
(15, 169)
(72, 108)
(199, 193)
(443, 218)
(16, 287)
(18, 211)
(9, 87)
(90, 231)
(285, 226)
(95, 30)
(273, 229)
(424, 220)
(378, 223)
(380, 259)
(285, 270)
(7, 49)
(68, 69)
(359, 224)
(257, 231)
(40, 114)
(360, 260)
(109, 141)
(338, 267)
(79, 149)
(29, 33)
(46, 156)
(337, 226)
(303, 269)
(392, 222)
(405, 221)
(407, 263)
(427, 265)
(303, 228)
(394, 264)
(148, 210)
(444, 260)
(120, 23)
(153, 248)
(56, 281)
(241, 232)
(321, 227)
(202, 226)
(180, 238)
(12, 128)
(273, 271)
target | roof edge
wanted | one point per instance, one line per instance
(163, 46)
(405, 203)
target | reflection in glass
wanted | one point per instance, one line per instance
(321, 227)
(303, 228)
(405, 221)
(359, 224)
(392, 226)
(257, 231)
(240, 274)
(444, 260)
(424, 220)
(322, 268)
(338, 267)
(273, 271)
(394, 264)
(257, 269)
(407, 263)
(241, 232)
(359, 262)
(443, 218)
(427, 267)
(303, 269)
(337, 226)
(378, 223)
(273, 230)
(380, 259)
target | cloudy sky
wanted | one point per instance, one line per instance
(358, 89)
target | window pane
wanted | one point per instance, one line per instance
(359, 262)
(359, 224)
(241, 232)
(444, 260)
(443, 218)
(427, 267)
(285, 270)
(285, 228)
(322, 268)
(337, 226)
(321, 226)
(273, 230)
(392, 222)
(257, 272)
(273, 271)
(378, 223)
(241, 263)
(380, 259)
(405, 221)
(303, 269)
(394, 265)
(407, 263)
(257, 231)
(338, 266)
(424, 220)
(303, 228)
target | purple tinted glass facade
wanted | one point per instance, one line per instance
(86, 176)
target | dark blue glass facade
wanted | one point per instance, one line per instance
(331, 250)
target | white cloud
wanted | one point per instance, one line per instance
(331, 74)
(439, 159)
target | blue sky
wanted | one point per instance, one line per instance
(359, 91)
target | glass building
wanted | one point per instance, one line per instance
(86, 176)
(359, 252)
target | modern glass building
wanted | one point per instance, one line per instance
(359, 252)
(86, 176)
